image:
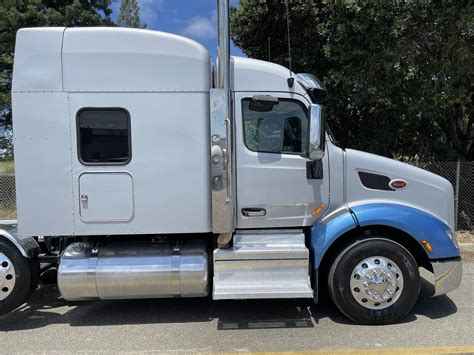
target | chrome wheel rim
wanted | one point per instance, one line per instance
(376, 282)
(7, 276)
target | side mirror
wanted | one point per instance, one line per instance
(317, 134)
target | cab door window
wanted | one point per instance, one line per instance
(281, 129)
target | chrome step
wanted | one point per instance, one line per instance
(283, 289)
(263, 264)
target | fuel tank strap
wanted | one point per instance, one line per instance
(175, 271)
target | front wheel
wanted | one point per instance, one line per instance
(374, 281)
(18, 277)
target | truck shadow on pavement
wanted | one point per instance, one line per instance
(47, 308)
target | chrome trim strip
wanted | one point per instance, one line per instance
(221, 163)
(447, 276)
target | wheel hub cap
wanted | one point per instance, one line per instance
(7, 277)
(376, 282)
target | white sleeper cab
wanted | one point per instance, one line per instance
(142, 171)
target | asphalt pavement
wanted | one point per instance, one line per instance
(49, 324)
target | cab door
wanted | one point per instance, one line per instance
(273, 188)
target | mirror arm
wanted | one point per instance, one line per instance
(314, 169)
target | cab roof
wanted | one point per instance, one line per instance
(258, 75)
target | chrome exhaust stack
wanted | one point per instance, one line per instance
(223, 45)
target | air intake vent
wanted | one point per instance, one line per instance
(375, 181)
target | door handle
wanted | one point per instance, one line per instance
(84, 198)
(254, 212)
(227, 166)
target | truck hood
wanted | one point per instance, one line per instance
(424, 190)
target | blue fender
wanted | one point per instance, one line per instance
(416, 223)
(419, 224)
(325, 232)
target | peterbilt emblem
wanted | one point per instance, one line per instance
(398, 184)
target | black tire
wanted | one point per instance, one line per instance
(340, 274)
(26, 281)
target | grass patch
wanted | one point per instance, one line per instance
(7, 167)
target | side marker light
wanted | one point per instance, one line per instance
(427, 246)
(317, 210)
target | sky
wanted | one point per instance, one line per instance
(196, 19)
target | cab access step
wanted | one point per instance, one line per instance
(263, 264)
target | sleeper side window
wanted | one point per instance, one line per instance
(104, 136)
(282, 129)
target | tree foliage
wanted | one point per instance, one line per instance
(16, 14)
(129, 15)
(400, 74)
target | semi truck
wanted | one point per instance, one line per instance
(143, 171)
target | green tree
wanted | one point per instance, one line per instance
(17, 14)
(130, 15)
(399, 73)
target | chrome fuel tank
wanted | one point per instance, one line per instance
(130, 270)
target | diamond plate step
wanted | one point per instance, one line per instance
(263, 264)
(284, 289)
(287, 238)
(262, 253)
